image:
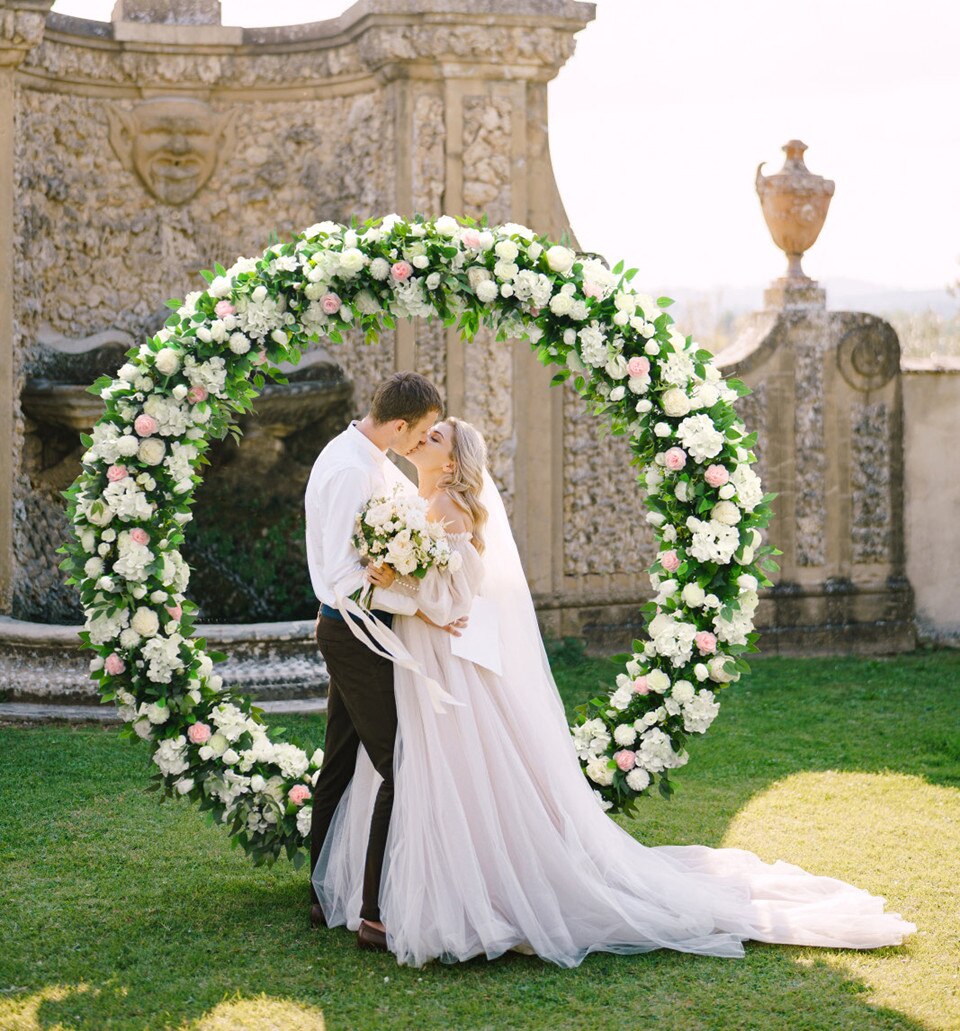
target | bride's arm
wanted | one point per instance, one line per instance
(443, 597)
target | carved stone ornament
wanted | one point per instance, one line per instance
(869, 355)
(174, 144)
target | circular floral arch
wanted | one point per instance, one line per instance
(186, 385)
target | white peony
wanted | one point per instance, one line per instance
(151, 450)
(675, 402)
(167, 361)
(599, 771)
(560, 259)
(145, 622)
(725, 512)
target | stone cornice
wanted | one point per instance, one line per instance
(430, 39)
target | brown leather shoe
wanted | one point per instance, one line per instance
(369, 937)
(317, 916)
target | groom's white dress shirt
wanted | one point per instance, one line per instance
(349, 471)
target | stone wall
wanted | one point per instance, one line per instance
(931, 404)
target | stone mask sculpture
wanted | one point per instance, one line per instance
(173, 144)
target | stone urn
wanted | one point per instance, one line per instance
(794, 203)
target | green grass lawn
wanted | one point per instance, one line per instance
(116, 912)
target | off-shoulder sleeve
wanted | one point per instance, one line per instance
(443, 595)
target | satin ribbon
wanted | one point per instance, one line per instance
(386, 644)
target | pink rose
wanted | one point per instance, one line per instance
(625, 759)
(640, 686)
(224, 308)
(675, 459)
(145, 425)
(534, 312)
(114, 665)
(330, 303)
(197, 394)
(471, 239)
(139, 536)
(638, 366)
(706, 642)
(592, 289)
(199, 733)
(716, 475)
(116, 472)
(401, 270)
(670, 561)
(176, 611)
(259, 358)
(298, 794)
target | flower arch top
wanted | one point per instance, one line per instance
(186, 385)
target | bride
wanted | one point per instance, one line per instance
(496, 840)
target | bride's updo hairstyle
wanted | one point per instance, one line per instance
(469, 454)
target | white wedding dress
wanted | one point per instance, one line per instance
(497, 841)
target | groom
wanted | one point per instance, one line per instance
(361, 708)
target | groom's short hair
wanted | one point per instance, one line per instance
(405, 395)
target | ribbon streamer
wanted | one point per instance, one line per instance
(390, 647)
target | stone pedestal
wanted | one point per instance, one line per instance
(827, 406)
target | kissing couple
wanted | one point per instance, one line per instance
(455, 821)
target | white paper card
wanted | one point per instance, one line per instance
(480, 641)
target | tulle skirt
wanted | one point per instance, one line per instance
(497, 842)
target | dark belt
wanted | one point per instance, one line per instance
(331, 613)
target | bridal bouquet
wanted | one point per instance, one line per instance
(394, 529)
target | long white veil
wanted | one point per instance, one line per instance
(523, 655)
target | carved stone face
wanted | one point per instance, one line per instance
(174, 145)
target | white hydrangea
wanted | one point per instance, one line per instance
(700, 437)
(171, 756)
(105, 628)
(677, 369)
(748, 487)
(593, 345)
(672, 637)
(590, 737)
(293, 761)
(163, 657)
(259, 315)
(133, 559)
(172, 417)
(712, 541)
(211, 374)
(700, 712)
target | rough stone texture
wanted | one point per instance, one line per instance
(168, 12)
(834, 457)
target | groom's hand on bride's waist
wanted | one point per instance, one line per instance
(453, 627)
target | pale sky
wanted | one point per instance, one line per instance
(661, 117)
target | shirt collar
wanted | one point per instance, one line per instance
(366, 444)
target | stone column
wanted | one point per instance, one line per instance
(21, 29)
(827, 406)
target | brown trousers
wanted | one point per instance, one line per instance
(361, 709)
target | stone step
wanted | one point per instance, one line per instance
(27, 712)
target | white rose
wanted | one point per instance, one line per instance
(663, 429)
(128, 373)
(725, 512)
(693, 595)
(701, 672)
(93, 567)
(446, 226)
(675, 402)
(217, 744)
(598, 770)
(652, 348)
(151, 450)
(618, 393)
(727, 491)
(616, 368)
(747, 582)
(506, 249)
(184, 785)
(230, 757)
(257, 783)
(352, 260)
(717, 672)
(658, 681)
(476, 275)
(561, 304)
(145, 622)
(560, 259)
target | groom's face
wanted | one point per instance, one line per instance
(411, 435)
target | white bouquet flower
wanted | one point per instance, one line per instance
(394, 529)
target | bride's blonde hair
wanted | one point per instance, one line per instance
(468, 451)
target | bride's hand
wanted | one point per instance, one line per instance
(453, 627)
(381, 576)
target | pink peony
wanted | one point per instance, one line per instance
(298, 794)
(592, 289)
(197, 394)
(139, 536)
(706, 642)
(330, 303)
(625, 759)
(675, 459)
(224, 308)
(116, 472)
(176, 611)
(199, 733)
(670, 561)
(638, 366)
(259, 358)
(114, 665)
(716, 475)
(401, 270)
(640, 686)
(471, 239)
(145, 425)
